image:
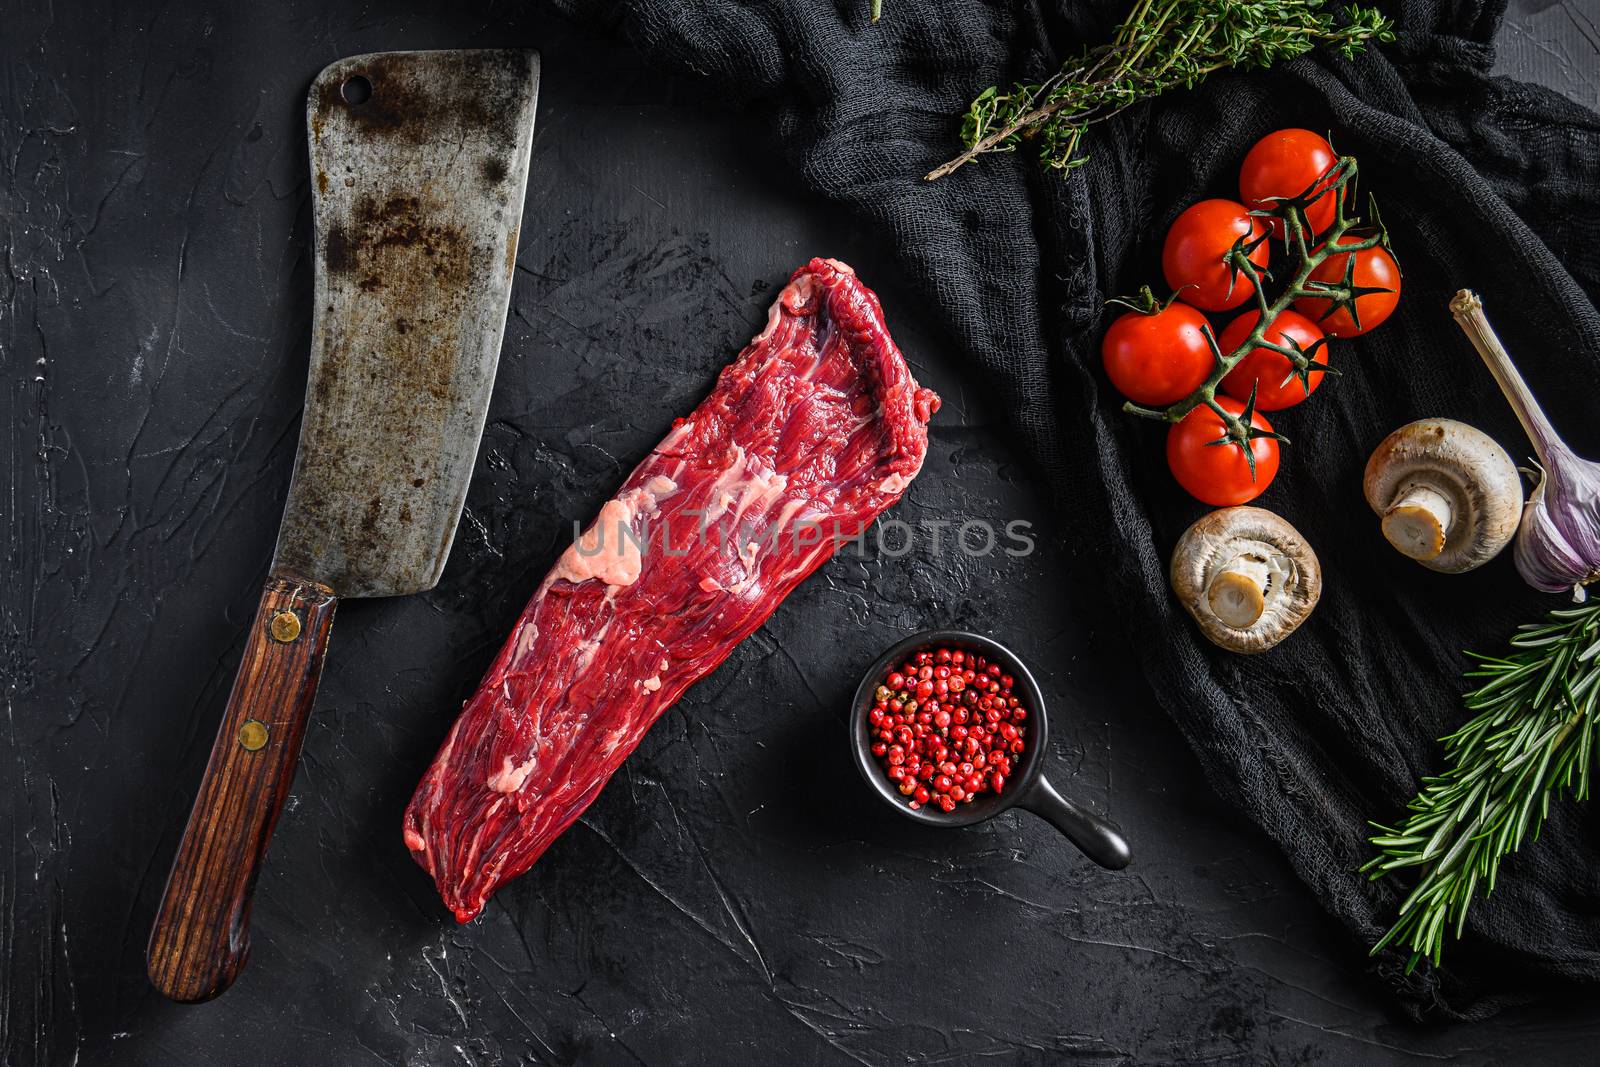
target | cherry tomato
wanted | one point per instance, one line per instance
(1375, 269)
(1158, 358)
(1270, 373)
(1287, 163)
(1192, 258)
(1219, 474)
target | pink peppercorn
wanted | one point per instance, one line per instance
(945, 726)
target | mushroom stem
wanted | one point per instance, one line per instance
(1238, 592)
(1418, 522)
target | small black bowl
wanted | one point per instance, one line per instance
(1028, 788)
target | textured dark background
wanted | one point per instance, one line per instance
(734, 894)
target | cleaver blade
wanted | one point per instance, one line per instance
(419, 166)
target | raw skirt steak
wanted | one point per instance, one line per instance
(813, 431)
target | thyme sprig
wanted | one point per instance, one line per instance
(1163, 44)
(1348, 234)
(1534, 734)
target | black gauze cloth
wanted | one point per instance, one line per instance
(1483, 183)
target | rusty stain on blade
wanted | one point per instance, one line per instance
(419, 164)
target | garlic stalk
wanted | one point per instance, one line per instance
(1558, 540)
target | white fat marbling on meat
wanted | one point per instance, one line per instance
(796, 295)
(787, 515)
(723, 501)
(760, 490)
(526, 636)
(895, 483)
(742, 485)
(604, 551)
(590, 646)
(509, 778)
(674, 436)
(610, 548)
(774, 316)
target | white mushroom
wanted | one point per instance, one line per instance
(1247, 576)
(1449, 496)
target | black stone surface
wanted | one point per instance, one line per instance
(735, 895)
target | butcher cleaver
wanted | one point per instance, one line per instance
(419, 164)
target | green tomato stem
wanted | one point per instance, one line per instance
(1337, 181)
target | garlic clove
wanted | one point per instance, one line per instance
(1558, 542)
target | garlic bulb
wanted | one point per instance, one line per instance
(1558, 540)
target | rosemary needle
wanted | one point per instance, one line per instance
(1534, 734)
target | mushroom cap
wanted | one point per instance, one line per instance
(1217, 539)
(1465, 465)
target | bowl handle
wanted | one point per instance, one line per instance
(1095, 837)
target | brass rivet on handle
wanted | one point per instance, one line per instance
(252, 735)
(285, 627)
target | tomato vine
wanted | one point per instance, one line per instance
(1348, 235)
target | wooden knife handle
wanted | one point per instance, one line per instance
(201, 936)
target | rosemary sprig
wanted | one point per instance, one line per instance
(1534, 734)
(1163, 44)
